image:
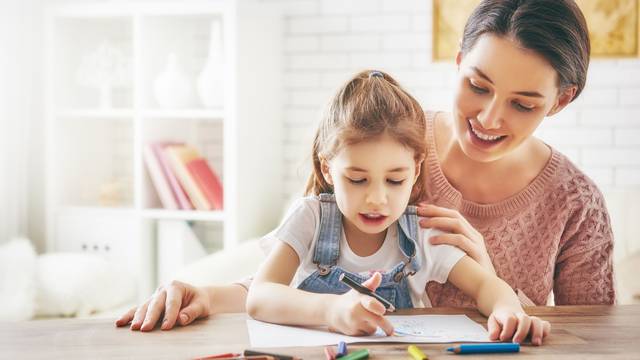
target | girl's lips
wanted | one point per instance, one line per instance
(372, 220)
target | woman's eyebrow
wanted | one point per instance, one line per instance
(523, 93)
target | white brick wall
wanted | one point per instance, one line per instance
(329, 40)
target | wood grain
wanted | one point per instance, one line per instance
(578, 332)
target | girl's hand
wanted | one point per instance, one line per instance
(504, 325)
(356, 314)
(168, 301)
(460, 233)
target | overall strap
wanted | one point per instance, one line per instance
(327, 249)
(408, 229)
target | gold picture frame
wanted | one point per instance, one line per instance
(614, 27)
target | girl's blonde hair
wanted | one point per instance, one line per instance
(369, 105)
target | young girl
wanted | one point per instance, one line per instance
(367, 155)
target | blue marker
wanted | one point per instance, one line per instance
(485, 348)
(342, 349)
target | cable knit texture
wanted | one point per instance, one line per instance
(555, 235)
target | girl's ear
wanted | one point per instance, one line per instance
(419, 163)
(324, 168)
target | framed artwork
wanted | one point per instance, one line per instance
(614, 26)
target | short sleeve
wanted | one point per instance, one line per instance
(297, 229)
(440, 259)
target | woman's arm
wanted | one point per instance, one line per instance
(584, 266)
(495, 299)
(271, 299)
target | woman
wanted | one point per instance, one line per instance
(507, 199)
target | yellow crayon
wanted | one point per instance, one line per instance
(416, 353)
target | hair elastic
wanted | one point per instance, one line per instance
(376, 73)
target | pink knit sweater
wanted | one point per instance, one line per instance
(554, 235)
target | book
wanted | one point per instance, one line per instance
(177, 190)
(178, 157)
(159, 179)
(208, 182)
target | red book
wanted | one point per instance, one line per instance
(207, 180)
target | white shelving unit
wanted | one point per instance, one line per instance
(99, 194)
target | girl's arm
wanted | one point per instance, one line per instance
(271, 299)
(499, 302)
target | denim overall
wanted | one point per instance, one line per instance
(394, 286)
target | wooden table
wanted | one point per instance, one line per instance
(578, 332)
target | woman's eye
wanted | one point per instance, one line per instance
(395, 182)
(521, 107)
(356, 181)
(477, 89)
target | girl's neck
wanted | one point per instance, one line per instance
(488, 183)
(361, 243)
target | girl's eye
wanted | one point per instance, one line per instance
(521, 107)
(477, 89)
(357, 181)
(395, 182)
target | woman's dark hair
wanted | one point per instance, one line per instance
(555, 29)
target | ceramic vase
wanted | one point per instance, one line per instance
(211, 79)
(172, 88)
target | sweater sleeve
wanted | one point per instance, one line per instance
(584, 266)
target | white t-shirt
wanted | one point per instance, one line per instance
(301, 224)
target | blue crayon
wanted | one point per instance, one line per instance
(342, 349)
(485, 348)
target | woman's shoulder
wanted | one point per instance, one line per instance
(580, 189)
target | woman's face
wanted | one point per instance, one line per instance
(503, 92)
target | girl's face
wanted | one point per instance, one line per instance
(502, 94)
(372, 182)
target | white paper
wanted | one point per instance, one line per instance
(418, 329)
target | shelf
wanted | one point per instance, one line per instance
(202, 114)
(192, 215)
(97, 210)
(95, 113)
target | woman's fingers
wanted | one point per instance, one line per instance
(447, 224)
(126, 317)
(429, 210)
(138, 316)
(456, 240)
(154, 310)
(172, 307)
(190, 313)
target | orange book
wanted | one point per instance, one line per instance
(208, 181)
(179, 157)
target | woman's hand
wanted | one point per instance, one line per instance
(356, 314)
(168, 301)
(504, 325)
(460, 233)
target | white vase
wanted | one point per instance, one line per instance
(172, 88)
(210, 82)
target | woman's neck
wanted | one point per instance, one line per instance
(489, 182)
(361, 243)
